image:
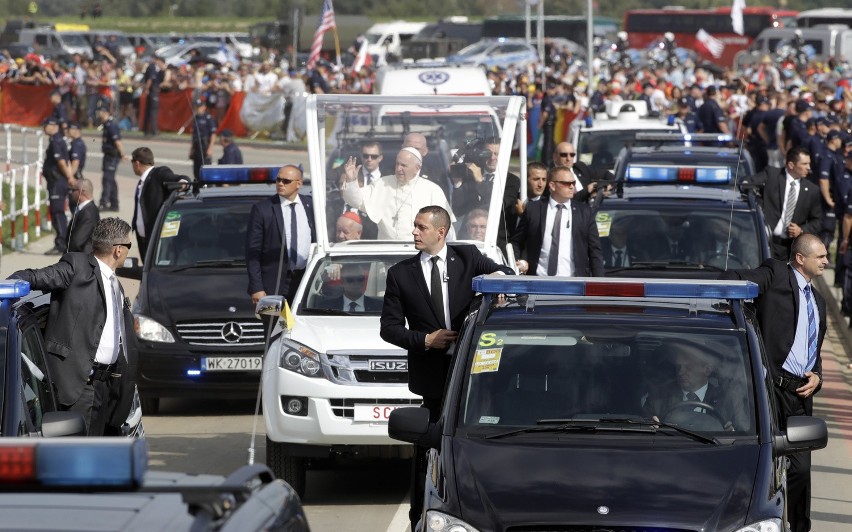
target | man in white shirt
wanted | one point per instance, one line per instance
(393, 201)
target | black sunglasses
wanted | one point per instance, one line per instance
(128, 245)
(284, 181)
(567, 154)
(371, 155)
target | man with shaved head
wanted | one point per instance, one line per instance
(433, 168)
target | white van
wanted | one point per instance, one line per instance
(821, 43)
(54, 44)
(437, 78)
(386, 39)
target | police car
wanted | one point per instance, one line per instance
(329, 381)
(104, 484)
(196, 326)
(28, 402)
(568, 407)
(678, 210)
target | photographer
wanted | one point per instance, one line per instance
(473, 177)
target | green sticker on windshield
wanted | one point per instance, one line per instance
(173, 215)
(490, 339)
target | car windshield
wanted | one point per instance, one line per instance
(600, 148)
(676, 235)
(450, 160)
(74, 39)
(347, 285)
(695, 378)
(196, 233)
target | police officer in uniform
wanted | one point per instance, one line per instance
(686, 115)
(203, 137)
(113, 154)
(77, 150)
(231, 153)
(57, 173)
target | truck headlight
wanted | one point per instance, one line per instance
(440, 522)
(153, 331)
(300, 359)
(767, 525)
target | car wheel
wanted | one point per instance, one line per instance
(150, 406)
(290, 469)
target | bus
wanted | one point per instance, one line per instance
(645, 27)
(828, 15)
(573, 28)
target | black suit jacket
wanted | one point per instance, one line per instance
(808, 212)
(371, 304)
(407, 298)
(154, 194)
(527, 240)
(264, 238)
(472, 195)
(728, 405)
(608, 256)
(82, 225)
(74, 325)
(778, 312)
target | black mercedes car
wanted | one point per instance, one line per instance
(564, 410)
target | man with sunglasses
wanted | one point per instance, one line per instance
(353, 277)
(90, 344)
(566, 155)
(278, 238)
(558, 236)
(368, 172)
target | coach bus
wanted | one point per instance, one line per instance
(645, 27)
(573, 28)
(827, 15)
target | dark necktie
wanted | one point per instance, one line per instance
(294, 238)
(136, 204)
(812, 329)
(617, 261)
(353, 306)
(436, 292)
(553, 256)
(692, 396)
(675, 249)
(789, 207)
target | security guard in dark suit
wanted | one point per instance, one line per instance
(57, 173)
(113, 154)
(203, 137)
(77, 150)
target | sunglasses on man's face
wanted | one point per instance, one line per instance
(567, 154)
(284, 181)
(370, 155)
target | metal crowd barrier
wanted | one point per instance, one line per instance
(22, 170)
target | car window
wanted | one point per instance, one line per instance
(605, 145)
(196, 232)
(520, 377)
(336, 283)
(36, 387)
(720, 238)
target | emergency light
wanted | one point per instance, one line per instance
(599, 287)
(233, 174)
(707, 175)
(14, 288)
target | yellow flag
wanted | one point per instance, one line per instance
(287, 316)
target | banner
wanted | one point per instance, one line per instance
(25, 105)
(263, 112)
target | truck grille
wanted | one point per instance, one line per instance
(351, 368)
(345, 408)
(222, 333)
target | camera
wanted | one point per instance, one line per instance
(472, 151)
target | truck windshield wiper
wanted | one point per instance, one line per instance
(566, 425)
(665, 265)
(654, 423)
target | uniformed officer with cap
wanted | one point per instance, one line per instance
(203, 137)
(231, 153)
(113, 154)
(57, 173)
(77, 150)
(686, 115)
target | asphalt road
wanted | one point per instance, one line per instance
(215, 436)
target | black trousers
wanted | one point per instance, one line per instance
(96, 404)
(57, 192)
(799, 470)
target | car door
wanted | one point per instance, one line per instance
(36, 388)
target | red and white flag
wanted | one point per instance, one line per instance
(363, 59)
(710, 44)
(326, 23)
(737, 17)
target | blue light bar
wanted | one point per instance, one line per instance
(713, 174)
(597, 286)
(238, 174)
(79, 462)
(14, 288)
(656, 174)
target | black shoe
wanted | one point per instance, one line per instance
(53, 251)
(111, 208)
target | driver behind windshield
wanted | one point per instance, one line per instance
(353, 277)
(694, 387)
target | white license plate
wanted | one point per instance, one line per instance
(375, 413)
(231, 363)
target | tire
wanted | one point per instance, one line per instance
(290, 469)
(150, 406)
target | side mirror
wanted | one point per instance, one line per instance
(269, 306)
(412, 425)
(804, 433)
(132, 269)
(59, 424)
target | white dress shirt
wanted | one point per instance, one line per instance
(303, 247)
(106, 345)
(565, 266)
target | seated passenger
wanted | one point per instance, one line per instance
(348, 227)
(475, 224)
(354, 278)
(694, 384)
(618, 252)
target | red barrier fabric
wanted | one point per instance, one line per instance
(25, 105)
(232, 119)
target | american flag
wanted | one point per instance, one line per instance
(326, 23)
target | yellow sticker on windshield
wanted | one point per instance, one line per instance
(490, 339)
(170, 229)
(486, 360)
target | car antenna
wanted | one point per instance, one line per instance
(736, 184)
